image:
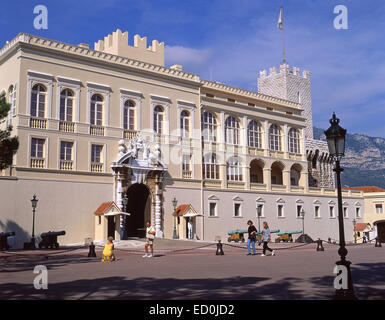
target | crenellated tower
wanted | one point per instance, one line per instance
(290, 84)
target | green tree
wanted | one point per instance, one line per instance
(8, 144)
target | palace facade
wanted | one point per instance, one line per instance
(97, 126)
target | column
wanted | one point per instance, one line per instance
(222, 138)
(285, 142)
(303, 144)
(223, 174)
(266, 137)
(158, 207)
(305, 180)
(244, 135)
(286, 179)
(246, 174)
(267, 178)
(119, 202)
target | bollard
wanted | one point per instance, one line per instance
(319, 245)
(378, 242)
(92, 252)
(219, 249)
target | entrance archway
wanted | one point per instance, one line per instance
(139, 206)
(381, 230)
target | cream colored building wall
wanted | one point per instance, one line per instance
(371, 198)
(62, 205)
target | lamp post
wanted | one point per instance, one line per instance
(354, 230)
(124, 202)
(174, 203)
(335, 137)
(259, 214)
(303, 225)
(34, 201)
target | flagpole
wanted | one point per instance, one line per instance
(283, 40)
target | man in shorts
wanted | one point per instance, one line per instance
(150, 236)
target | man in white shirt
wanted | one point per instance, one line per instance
(190, 229)
(150, 236)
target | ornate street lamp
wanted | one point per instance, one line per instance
(303, 225)
(174, 204)
(34, 201)
(124, 202)
(259, 214)
(354, 230)
(335, 137)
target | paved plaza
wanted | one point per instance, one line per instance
(191, 270)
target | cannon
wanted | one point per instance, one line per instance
(3, 239)
(236, 235)
(286, 236)
(259, 235)
(49, 239)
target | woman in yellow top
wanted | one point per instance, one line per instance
(108, 252)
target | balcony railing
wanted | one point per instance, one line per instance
(67, 126)
(186, 174)
(129, 134)
(97, 167)
(96, 130)
(66, 165)
(37, 163)
(38, 123)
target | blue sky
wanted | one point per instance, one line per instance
(231, 41)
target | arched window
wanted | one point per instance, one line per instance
(232, 130)
(12, 100)
(66, 105)
(210, 167)
(129, 115)
(254, 134)
(97, 110)
(294, 141)
(275, 138)
(185, 124)
(209, 127)
(158, 119)
(234, 170)
(38, 98)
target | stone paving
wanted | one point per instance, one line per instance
(191, 270)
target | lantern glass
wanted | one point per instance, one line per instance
(340, 146)
(34, 201)
(174, 202)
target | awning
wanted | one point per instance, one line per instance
(191, 214)
(108, 214)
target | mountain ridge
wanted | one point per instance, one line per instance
(364, 161)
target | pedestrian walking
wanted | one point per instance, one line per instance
(150, 236)
(266, 237)
(108, 251)
(252, 230)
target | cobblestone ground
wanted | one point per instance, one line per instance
(191, 270)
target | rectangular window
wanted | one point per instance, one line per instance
(213, 209)
(345, 212)
(331, 212)
(186, 159)
(379, 208)
(96, 153)
(299, 210)
(317, 212)
(66, 150)
(237, 209)
(37, 148)
(260, 210)
(358, 213)
(280, 210)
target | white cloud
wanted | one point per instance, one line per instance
(188, 57)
